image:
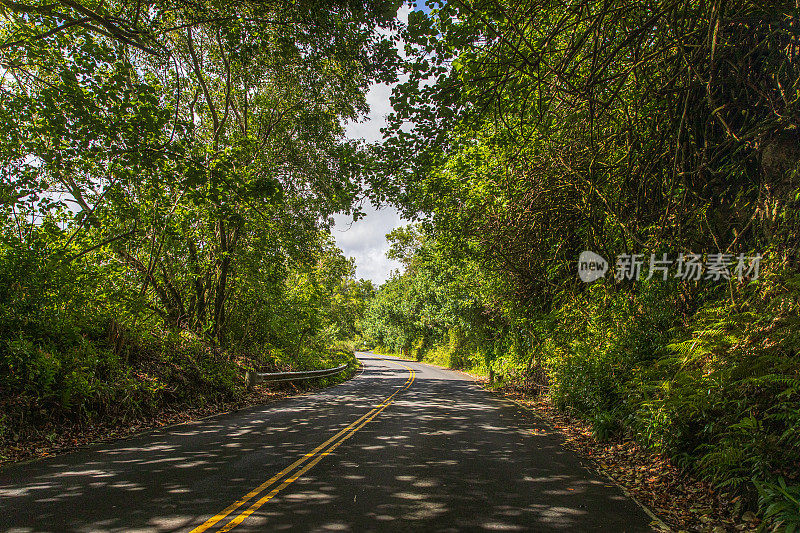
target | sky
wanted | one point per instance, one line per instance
(365, 240)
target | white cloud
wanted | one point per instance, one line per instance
(365, 240)
(379, 107)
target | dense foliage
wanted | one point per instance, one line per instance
(541, 129)
(168, 171)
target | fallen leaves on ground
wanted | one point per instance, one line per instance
(681, 501)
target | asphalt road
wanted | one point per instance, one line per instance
(402, 446)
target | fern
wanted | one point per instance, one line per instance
(780, 505)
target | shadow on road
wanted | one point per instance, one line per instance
(445, 456)
(449, 457)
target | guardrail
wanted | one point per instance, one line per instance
(253, 378)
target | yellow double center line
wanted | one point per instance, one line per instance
(309, 460)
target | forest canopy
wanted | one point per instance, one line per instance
(168, 173)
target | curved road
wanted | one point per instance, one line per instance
(402, 446)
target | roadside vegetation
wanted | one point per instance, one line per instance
(545, 129)
(168, 171)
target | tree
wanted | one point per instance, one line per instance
(187, 138)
